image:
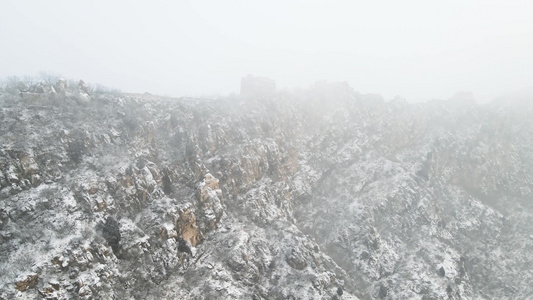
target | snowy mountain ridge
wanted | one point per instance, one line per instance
(319, 194)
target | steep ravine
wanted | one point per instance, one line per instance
(304, 195)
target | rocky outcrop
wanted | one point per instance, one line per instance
(26, 281)
(83, 88)
(187, 227)
(61, 86)
(210, 205)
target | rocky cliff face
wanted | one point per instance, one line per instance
(320, 194)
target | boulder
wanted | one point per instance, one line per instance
(295, 259)
(442, 272)
(26, 281)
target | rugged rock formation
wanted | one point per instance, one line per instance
(83, 88)
(324, 194)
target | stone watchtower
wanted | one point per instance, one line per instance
(257, 86)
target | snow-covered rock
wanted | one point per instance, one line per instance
(295, 196)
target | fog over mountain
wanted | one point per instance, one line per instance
(417, 49)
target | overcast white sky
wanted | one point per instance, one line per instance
(416, 49)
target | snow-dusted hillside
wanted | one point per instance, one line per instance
(320, 194)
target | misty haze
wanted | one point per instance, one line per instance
(266, 150)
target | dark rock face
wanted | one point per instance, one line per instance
(167, 185)
(320, 194)
(111, 232)
(4, 218)
(76, 150)
(449, 290)
(184, 247)
(383, 291)
(340, 291)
